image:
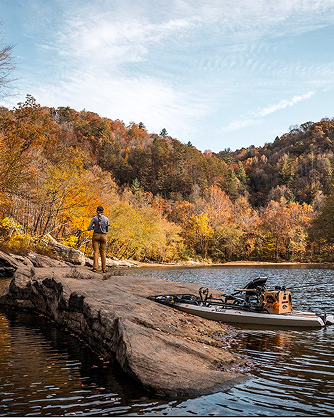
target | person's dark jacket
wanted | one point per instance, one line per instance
(100, 224)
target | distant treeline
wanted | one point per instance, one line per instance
(166, 201)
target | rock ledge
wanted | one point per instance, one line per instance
(168, 351)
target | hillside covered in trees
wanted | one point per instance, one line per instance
(298, 165)
(166, 201)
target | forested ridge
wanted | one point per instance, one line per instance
(166, 201)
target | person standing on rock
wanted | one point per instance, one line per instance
(100, 225)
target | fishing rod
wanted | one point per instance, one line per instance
(301, 286)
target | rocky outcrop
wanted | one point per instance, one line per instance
(113, 262)
(64, 252)
(168, 351)
(9, 263)
(74, 256)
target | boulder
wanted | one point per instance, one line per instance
(38, 260)
(8, 265)
(73, 256)
(66, 256)
(65, 253)
(113, 262)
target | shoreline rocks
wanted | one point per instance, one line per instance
(169, 352)
(73, 256)
(9, 263)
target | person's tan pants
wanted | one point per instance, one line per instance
(99, 246)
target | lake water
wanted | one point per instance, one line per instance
(45, 371)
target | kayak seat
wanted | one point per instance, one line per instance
(258, 282)
(258, 285)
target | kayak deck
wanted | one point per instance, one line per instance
(294, 318)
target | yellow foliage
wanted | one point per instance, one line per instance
(9, 223)
(198, 232)
(287, 223)
(70, 241)
(80, 223)
(17, 243)
(141, 233)
(199, 227)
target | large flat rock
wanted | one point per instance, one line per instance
(168, 351)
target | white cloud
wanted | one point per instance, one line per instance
(261, 113)
(283, 104)
(237, 125)
(118, 33)
(103, 39)
(144, 99)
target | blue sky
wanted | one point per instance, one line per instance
(220, 73)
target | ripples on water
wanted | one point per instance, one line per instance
(44, 371)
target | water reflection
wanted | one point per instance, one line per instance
(45, 371)
(296, 366)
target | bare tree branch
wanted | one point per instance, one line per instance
(7, 67)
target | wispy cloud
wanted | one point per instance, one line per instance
(237, 125)
(261, 113)
(283, 104)
(143, 99)
(103, 39)
(101, 32)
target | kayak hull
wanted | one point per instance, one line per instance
(293, 319)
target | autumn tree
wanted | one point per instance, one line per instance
(197, 233)
(181, 212)
(300, 216)
(284, 227)
(233, 224)
(67, 197)
(322, 228)
(247, 220)
(240, 172)
(142, 234)
(219, 205)
(279, 192)
(24, 132)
